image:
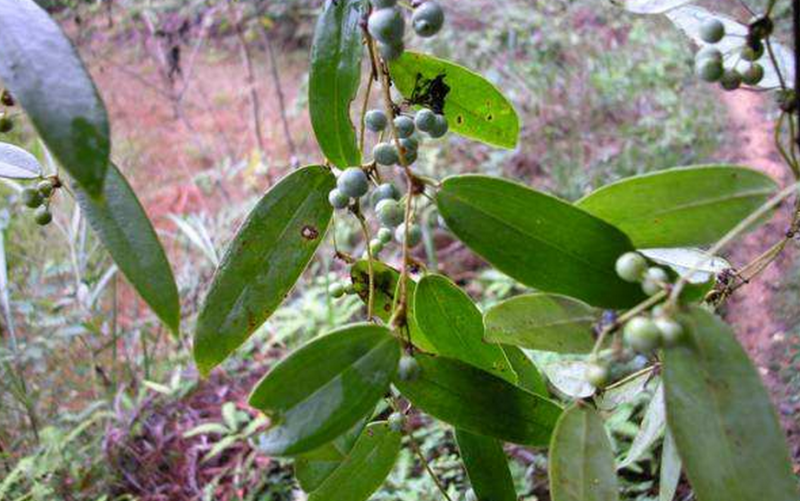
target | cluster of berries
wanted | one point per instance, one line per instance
(387, 25)
(6, 122)
(710, 61)
(38, 198)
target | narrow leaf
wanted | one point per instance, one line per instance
(41, 68)
(487, 466)
(650, 6)
(653, 425)
(325, 387)
(538, 239)
(16, 163)
(262, 264)
(670, 474)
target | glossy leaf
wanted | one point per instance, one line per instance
(487, 466)
(650, 6)
(454, 326)
(477, 401)
(334, 78)
(324, 388)
(722, 418)
(262, 264)
(474, 108)
(538, 239)
(653, 425)
(670, 474)
(681, 207)
(546, 322)
(122, 225)
(364, 468)
(41, 68)
(528, 375)
(581, 459)
(313, 468)
(682, 261)
(16, 163)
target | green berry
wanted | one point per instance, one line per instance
(387, 25)
(385, 154)
(385, 235)
(596, 374)
(45, 187)
(712, 31)
(6, 98)
(425, 120)
(753, 75)
(383, 4)
(470, 495)
(408, 369)
(404, 126)
(760, 27)
(375, 246)
(337, 199)
(410, 143)
(350, 289)
(441, 127)
(709, 70)
(390, 213)
(428, 19)
(709, 52)
(336, 290)
(631, 266)
(31, 198)
(414, 234)
(384, 192)
(671, 330)
(731, 79)
(396, 422)
(654, 280)
(787, 100)
(752, 51)
(409, 154)
(642, 334)
(6, 124)
(391, 52)
(376, 120)
(42, 216)
(353, 182)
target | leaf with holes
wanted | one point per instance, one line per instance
(487, 466)
(262, 264)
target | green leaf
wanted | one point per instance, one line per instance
(650, 6)
(325, 387)
(569, 378)
(670, 474)
(41, 68)
(722, 418)
(487, 466)
(334, 78)
(364, 469)
(684, 260)
(454, 325)
(262, 264)
(581, 459)
(313, 468)
(474, 108)
(653, 425)
(546, 322)
(683, 206)
(528, 375)
(122, 225)
(387, 287)
(626, 391)
(16, 163)
(480, 402)
(538, 239)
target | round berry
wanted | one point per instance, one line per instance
(337, 199)
(396, 422)
(6, 124)
(384, 192)
(760, 27)
(385, 235)
(31, 198)
(391, 52)
(428, 19)
(409, 154)
(712, 31)
(631, 266)
(787, 100)
(425, 120)
(42, 216)
(404, 126)
(731, 79)
(753, 74)
(709, 52)
(336, 290)
(6, 98)
(596, 374)
(414, 234)
(408, 369)
(353, 182)
(671, 330)
(375, 246)
(387, 25)
(709, 69)
(470, 495)
(642, 334)
(376, 120)
(440, 128)
(383, 4)
(654, 280)
(752, 51)
(45, 187)
(390, 213)
(385, 154)
(410, 143)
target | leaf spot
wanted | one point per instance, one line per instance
(309, 233)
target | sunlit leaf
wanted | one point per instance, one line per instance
(650, 6)
(682, 261)
(16, 163)
(569, 377)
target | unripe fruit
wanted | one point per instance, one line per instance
(760, 27)
(409, 154)
(654, 280)
(337, 199)
(470, 495)
(376, 120)
(396, 422)
(753, 75)
(375, 246)
(428, 19)
(336, 290)
(752, 52)
(642, 334)
(440, 128)
(709, 70)
(385, 235)
(6, 98)
(387, 25)
(31, 197)
(425, 120)
(410, 143)
(408, 368)
(731, 79)
(709, 52)
(383, 4)
(385, 154)
(353, 182)
(712, 31)
(42, 216)
(631, 266)
(391, 52)
(787, 100)
(404, 126)
(671, 330)
(390, 213)
(45, 187)
(414, 234)
(6, 124)
(597, 375)
(384, 192)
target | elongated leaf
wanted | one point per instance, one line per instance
(477, 401)
(16, 163)
(334, 78)
(581, 459)
(653, 425)
(387, 287)
(474, 108)
(122, 225)
(670, 474)
(538, 239)
(487, 466)
(681, 207)
(682, 261)
(547, 322)
(364, 469)
(45, 75)
(262, 264)
(453, 324)
(722, 419)
(325, 387)
(569, 377)
(528, 375)
(650, 6)
(313, 468)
